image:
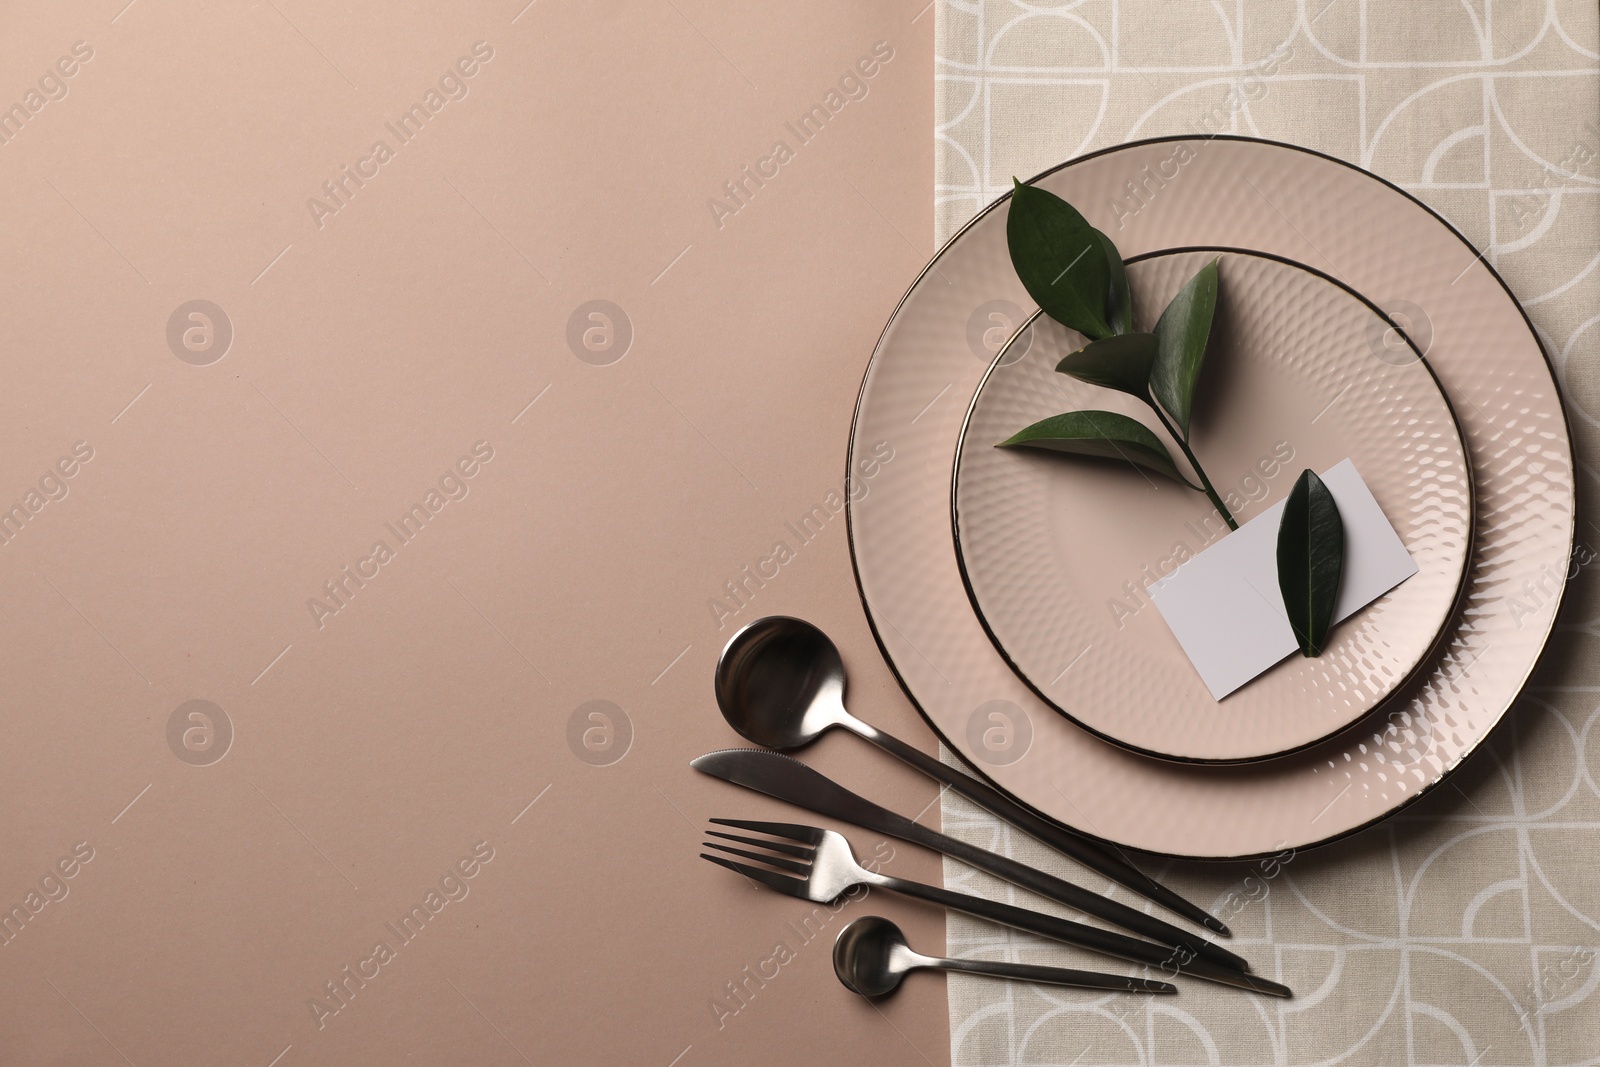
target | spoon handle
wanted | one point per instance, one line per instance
(1090, 853)
(1170, 960)
(1028, 972)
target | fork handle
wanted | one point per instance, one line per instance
(1087, 852)
(1170, 960)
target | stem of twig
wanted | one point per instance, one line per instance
(1216, 501)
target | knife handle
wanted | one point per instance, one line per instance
(1074, 896)
(1087, 852)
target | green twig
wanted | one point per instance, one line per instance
(1210, 491)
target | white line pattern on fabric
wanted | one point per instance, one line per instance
(1464, 930)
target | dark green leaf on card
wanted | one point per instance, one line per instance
(1310, 561)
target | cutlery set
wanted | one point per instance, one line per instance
(780, 683)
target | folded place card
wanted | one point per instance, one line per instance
(1224, 605)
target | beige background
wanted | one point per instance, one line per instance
(429, 312)
(1466, 930)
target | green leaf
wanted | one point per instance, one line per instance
(1181, 336)
(1103, 434)
(1119, 302)
(1310, 560)
(1121, 363)
(1059, 258)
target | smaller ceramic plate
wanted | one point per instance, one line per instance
(1057, 551)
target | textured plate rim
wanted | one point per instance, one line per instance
(872, 625)
(1424, 661)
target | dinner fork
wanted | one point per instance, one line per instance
(818, 865)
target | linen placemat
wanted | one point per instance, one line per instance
(1464, 930)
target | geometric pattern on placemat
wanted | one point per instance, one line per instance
(1466, 929)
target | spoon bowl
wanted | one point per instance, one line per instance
(869, 956)
(780, 683)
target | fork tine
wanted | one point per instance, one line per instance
(792, 830)
(761, 857)
(799, 851)
(794, 887)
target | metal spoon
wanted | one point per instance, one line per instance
(780, 683)
(871, 957)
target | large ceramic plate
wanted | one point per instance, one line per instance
(1058, 553)
(1206, 192)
